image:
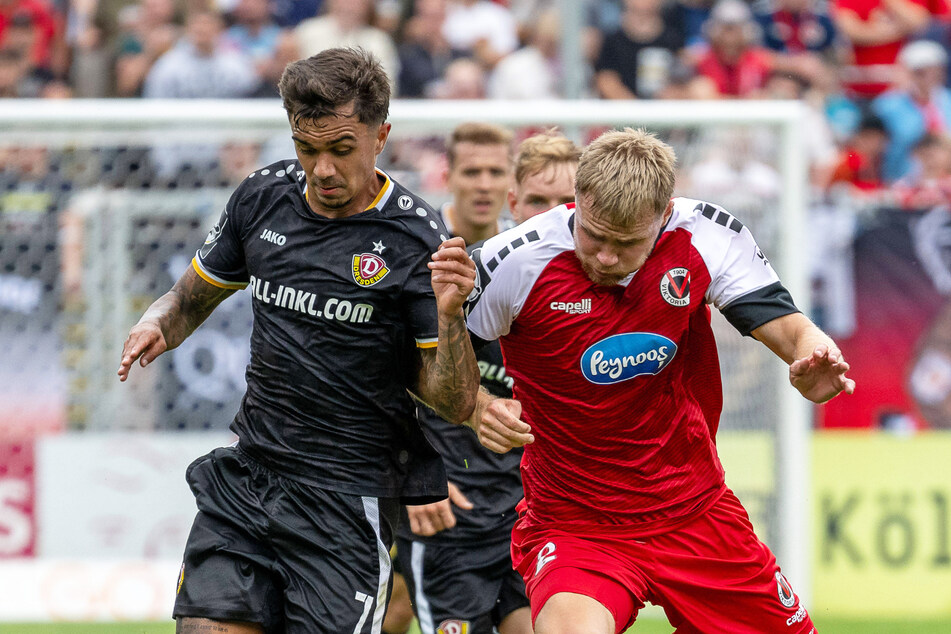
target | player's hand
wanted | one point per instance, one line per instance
(821, 375)
(429, 519)
(499, 427)
(453, 275)
(145, 343)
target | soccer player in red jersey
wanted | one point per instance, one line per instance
(602, 309)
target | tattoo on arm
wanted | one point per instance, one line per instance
(449, 376)
(184, 308)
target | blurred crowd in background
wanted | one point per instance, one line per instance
(871, 71)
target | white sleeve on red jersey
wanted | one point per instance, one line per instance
(507, 267)
(735, 262)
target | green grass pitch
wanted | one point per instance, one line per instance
(823, 626)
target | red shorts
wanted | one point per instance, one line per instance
(711, 574)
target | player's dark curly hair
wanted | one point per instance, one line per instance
(317, 86)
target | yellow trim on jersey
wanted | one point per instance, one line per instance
(215, 282)
(383, 190)
(426, 343)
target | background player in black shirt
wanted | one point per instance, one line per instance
(352, 308)
(455, 553)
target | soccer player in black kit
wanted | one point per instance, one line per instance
(357, 299)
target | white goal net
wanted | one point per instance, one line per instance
(103, 203)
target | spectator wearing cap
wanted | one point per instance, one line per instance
(40, 21)
(732, 61)
(915, 106)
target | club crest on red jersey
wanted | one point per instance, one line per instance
(453, 626)
(675, 287)
(785, 591)
(368, 269)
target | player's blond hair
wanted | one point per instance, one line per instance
(478, 133)
(624, 173)
(541, 150)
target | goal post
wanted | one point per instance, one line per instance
(122, 215)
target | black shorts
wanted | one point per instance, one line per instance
(295, 558)
(465, 583)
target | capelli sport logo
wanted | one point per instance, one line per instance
(368, 269)
(675, 287)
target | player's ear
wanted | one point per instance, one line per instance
(382, 134)
(513, 207)
(669, 210)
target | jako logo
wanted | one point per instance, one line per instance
(273, 236)
(625, 356)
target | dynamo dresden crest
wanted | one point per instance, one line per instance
(368, 269)
(453, 626)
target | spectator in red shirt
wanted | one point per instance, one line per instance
(45, 26)
(876, 29)
(732, 62)
(859, 168)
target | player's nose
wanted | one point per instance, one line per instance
(607, 258)
(324, 167)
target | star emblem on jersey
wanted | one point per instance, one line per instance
(675, 287)
(378, 247)
(368, 269)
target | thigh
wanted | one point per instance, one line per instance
(334, 560)
(715, 575)
(453, 588)
(555, 562)
(226, 570)
(569, 612)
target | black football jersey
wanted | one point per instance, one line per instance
(340, 306)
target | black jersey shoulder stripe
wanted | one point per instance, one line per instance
(749, 312)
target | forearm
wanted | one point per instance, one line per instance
(792, 337)
(910, 17)
(449, 381)
(180, 311)
(867, 33)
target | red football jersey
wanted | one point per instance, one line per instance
(620, 384)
